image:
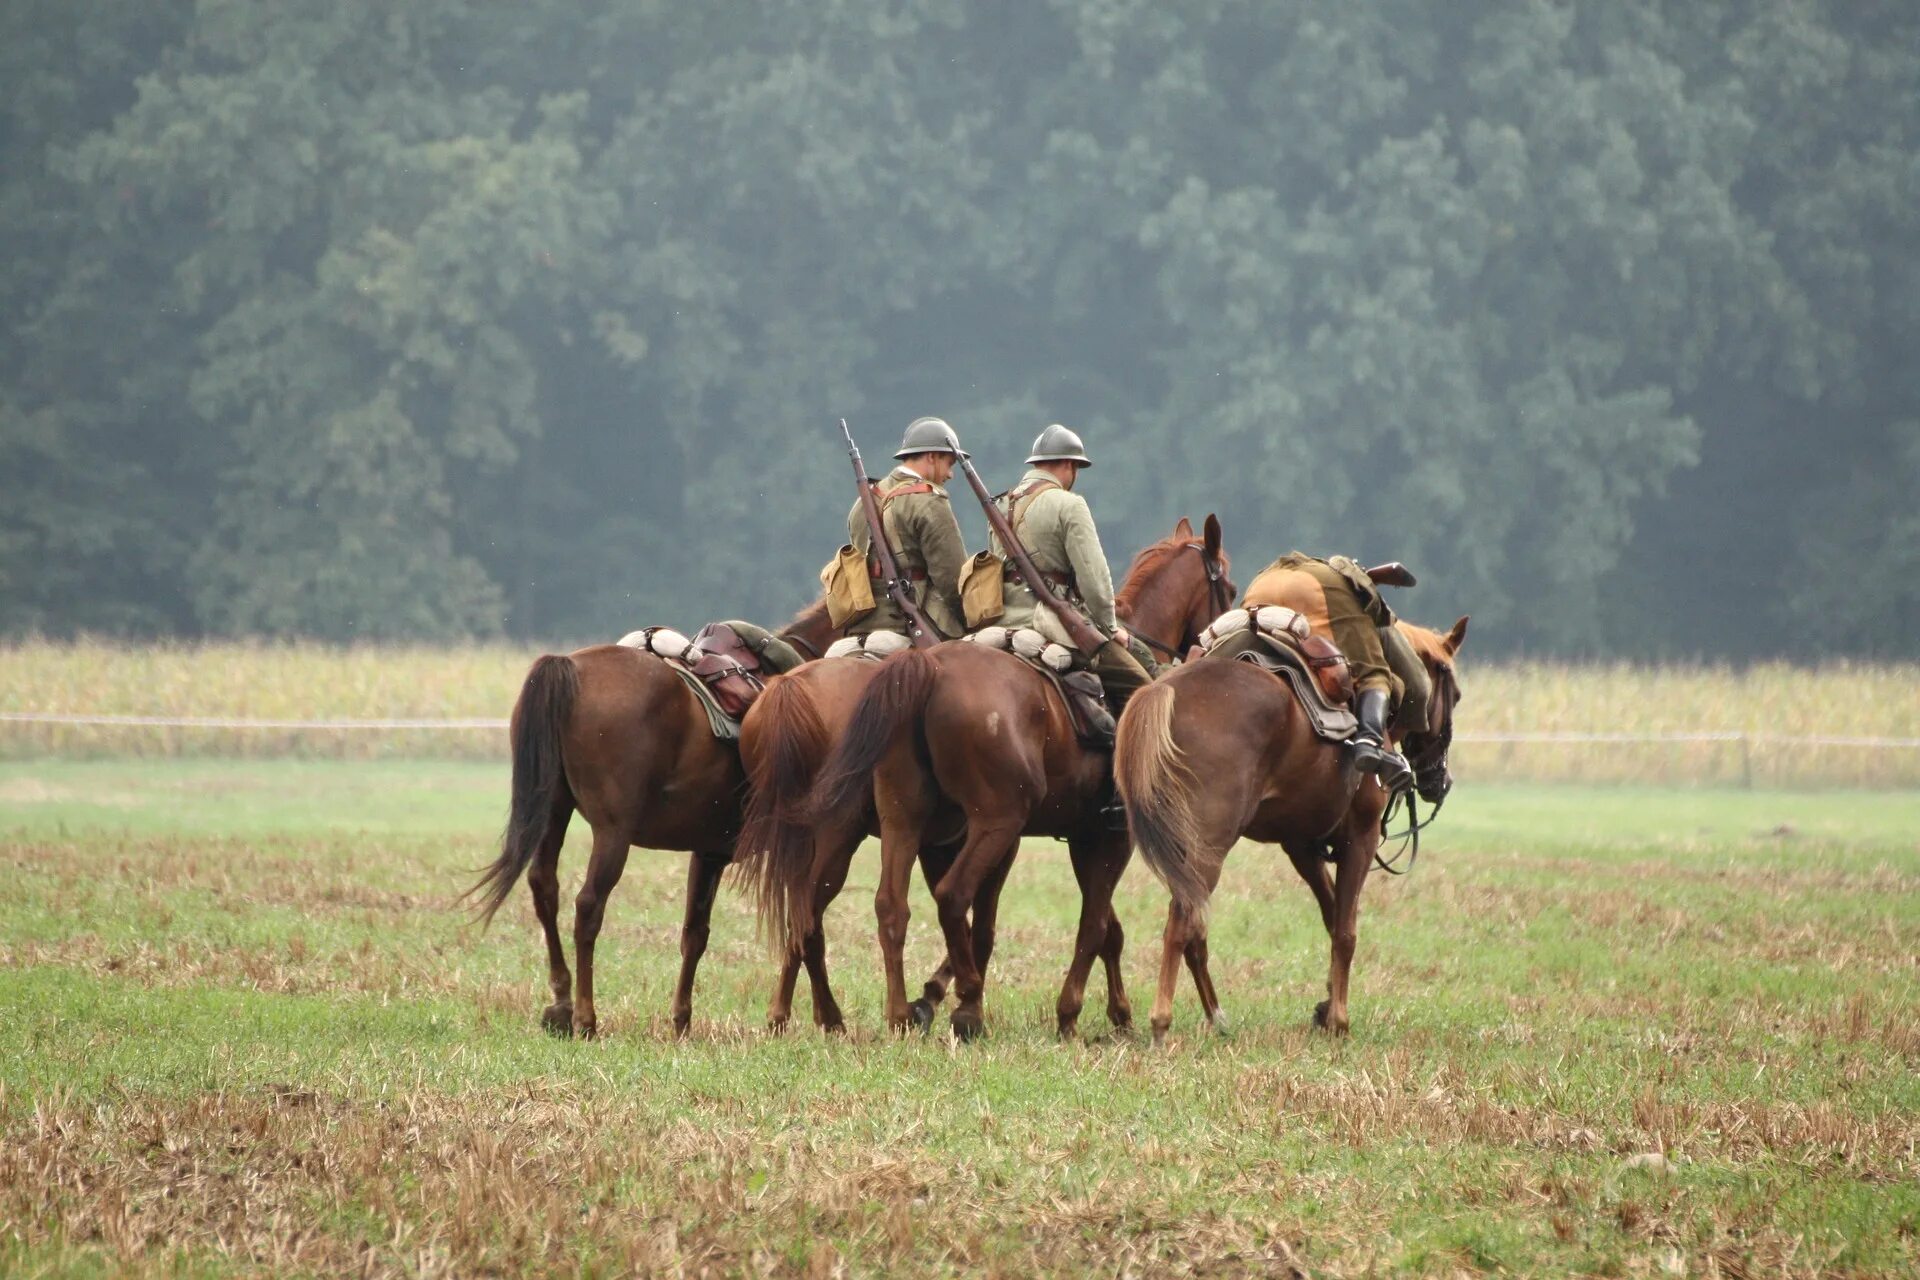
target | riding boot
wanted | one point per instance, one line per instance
(1370, 751)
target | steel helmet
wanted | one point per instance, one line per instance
(1057, 444)
(929, 435)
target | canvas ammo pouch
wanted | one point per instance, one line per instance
(983, 590)
(849, 587)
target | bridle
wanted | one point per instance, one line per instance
(1219, 598)
(1430, 778)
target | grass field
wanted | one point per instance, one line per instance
(308, 681)
(241, 1030)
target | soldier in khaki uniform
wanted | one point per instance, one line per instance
(922, 530)
(1056, 527)
(1342, 603)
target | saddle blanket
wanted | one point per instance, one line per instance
(1276, 640)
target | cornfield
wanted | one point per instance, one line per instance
(1766, 713)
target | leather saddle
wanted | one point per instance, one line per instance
(1312, 665)
(1093, 721)
(728, 667)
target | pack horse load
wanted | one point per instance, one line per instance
(952, 705)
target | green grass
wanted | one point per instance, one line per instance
(241, 1029)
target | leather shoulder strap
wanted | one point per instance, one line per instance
(1020, 501)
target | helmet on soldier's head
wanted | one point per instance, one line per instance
(1057, 444)
(929, 435)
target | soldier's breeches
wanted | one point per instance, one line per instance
(1121, 675)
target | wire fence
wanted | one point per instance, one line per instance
(1728, 757)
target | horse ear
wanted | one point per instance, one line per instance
(1213, 535)
(1184, 529)
(1457, 636)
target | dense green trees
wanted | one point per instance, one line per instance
(336, 318)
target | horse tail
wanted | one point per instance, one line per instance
(539, 776)
(774, 854)
(1156, 786)
(895, 699)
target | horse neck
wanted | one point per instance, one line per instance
(1160, 609)
(812, 630)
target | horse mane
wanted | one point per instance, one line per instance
(1134, 585)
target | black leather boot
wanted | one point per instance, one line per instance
(1370, 751)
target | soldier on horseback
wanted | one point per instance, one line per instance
(1056, 526)
(1341, 601)
(921, 528)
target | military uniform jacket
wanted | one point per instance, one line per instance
(926, 540)
(1056, 527)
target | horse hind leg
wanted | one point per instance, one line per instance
(934, 865)
(543, 882)
(989, 847)
(1184, 931)
(703, 882)
(1097, 865)
(589, 909)
(832, 857)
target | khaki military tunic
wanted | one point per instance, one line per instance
(926, 542)
(1056, 527)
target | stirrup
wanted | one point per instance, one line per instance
(1389, 766)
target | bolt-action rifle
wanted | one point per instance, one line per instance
(1085, 637)
(898, 586)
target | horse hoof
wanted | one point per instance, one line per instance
(834, 1027)
(586, 1030)
(1221, 1027)
(681, 1025)
(776, 1026)
(1160, 1033)
(557, 1020)
(922, 1015)
(967, 1028)
(1320, 1020)
(1069, 1028)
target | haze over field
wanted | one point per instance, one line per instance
(456, 319)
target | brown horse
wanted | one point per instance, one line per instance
(1268, 777)
(615, 733)
(961, 738)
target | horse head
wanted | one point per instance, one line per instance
(1169, 597)
(1427, 749)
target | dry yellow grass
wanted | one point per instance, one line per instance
(306, 681)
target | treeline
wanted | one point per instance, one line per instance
(346, 319)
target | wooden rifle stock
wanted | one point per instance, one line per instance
(898, 588)
(1086, 638)
(1392, 574)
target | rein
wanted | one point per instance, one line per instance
(1410, 838)
(1217, 599)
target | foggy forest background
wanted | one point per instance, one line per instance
(443, 319)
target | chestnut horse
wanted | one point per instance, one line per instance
(615, 733)
(1267, 777)
(964, 735)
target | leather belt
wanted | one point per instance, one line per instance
(1063, 580)
(913, 575)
